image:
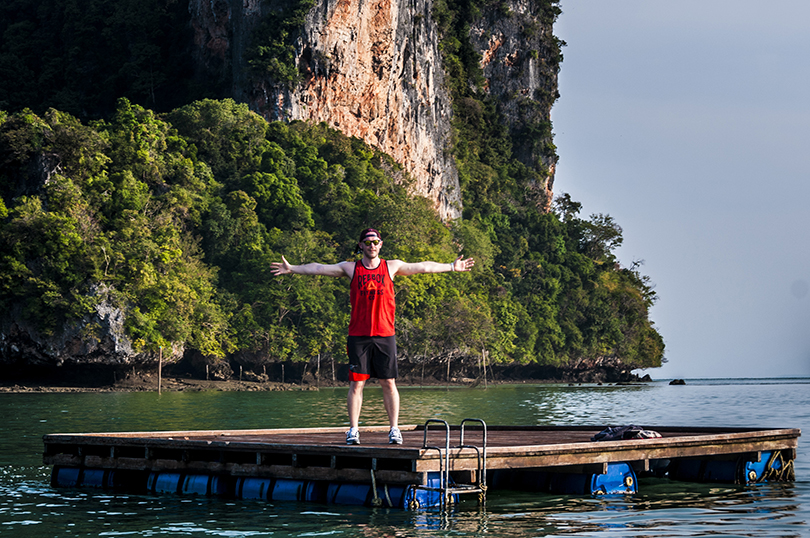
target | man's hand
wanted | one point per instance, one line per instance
(281, 268)
(463, 265)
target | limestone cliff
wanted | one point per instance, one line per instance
(96, 339)
(520, 59)
(374, 70)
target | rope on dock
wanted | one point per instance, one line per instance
(376, 502)
(783, 472)
(388, 498)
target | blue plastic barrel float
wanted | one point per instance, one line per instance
(620, 479)
(271, 489)
(66, 477)
(298, 490)
(416, 497)
(744, 469)
(186, 484)
(253, 488)
(72, 477)
(320, 492)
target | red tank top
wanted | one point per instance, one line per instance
(373, 304)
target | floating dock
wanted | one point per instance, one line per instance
(432, 467)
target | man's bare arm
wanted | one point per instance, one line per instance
(398, 267)
(334, 269)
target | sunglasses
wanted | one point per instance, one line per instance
(374, 242)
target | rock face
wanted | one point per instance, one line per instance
(373, 69)
(370, 69)
(96, 338)
(520, 59)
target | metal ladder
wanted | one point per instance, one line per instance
(446, 490)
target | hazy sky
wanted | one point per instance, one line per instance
(688, 121)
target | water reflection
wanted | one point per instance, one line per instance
(666, 510)
(30, 507)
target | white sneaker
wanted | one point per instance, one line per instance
(353, 436)
(394, 437)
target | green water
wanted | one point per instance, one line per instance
(30, 507)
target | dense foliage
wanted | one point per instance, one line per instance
(80, 56)
(176, 218)
(568, 296)
(272, 52)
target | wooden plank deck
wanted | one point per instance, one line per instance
(321, 453)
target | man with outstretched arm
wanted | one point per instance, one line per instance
(372, 343)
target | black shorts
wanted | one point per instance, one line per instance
(372, 356)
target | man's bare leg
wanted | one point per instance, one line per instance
(354, 402)
(391, 401)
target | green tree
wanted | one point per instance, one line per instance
(177, 219)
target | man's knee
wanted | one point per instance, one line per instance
(388, 384)
(356, 386)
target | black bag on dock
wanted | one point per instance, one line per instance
(618, 433)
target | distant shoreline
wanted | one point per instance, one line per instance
(149, 383)
(296, 376)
